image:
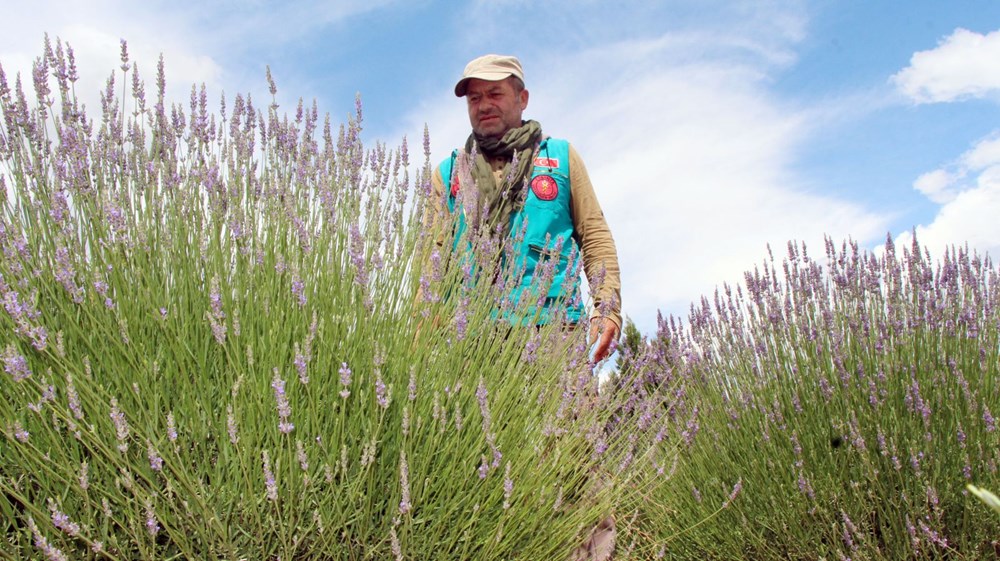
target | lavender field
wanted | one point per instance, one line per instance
(854, 397)
(227, 333)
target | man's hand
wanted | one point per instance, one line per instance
(604, 332)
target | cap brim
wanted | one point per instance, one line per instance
(463, 84)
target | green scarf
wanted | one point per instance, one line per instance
(518, 146)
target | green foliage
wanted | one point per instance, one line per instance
(853, 399)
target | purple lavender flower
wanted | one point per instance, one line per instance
(152, 526)
(73, 398)
(39, 73)
(124, 56)
(121, 426)
(531, 347)
(231, 425)
(300, 454)
(357, 255)
(482, 396)
(301, 366)
(270, 484)
(345, 380)
(736, 491)
(299, 289)
(155, 461)
(380, 390)
(19, 432)
(600, 446)
(991, 424)
(805, 487)
(15, 364)
(508, 486)
(849, 531)
(281, 401)
(484, 467)
(915, 461)
(691, 429)
(436, 270)
(404, 483)
(912, 530)
(627, 461)
(462, 318)
(171, 427)
(216, 316)
(84, 479)
(932, 535)
(51, 552)
(824, 386)
(397, 549)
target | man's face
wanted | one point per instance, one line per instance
(494, 107)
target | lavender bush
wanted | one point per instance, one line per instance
(838, 410)
(228, 334)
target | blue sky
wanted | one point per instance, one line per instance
(710, 128)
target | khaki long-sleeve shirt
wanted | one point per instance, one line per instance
(597, 246)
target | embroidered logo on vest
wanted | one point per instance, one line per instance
(544, 187)
(454, 184)
(547, 162)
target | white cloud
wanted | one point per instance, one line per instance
(969, 212)
(984, 154)
(938, 185)
(964, 65)
(969, 220)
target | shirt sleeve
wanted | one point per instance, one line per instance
(600, 257)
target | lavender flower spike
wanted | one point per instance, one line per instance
(152, 526)
(15, 364)
(61, 520)
(121, 426)
(155, 461)
(404, 482)
(281, 400)
(51, 552)
(736, 491)
(345, 380)
(269, 483)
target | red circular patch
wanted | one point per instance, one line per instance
(454, 185)
(544, 187)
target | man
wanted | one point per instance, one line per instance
(512, 156)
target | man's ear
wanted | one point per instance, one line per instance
(524, 99)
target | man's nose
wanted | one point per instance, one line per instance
(482, 106)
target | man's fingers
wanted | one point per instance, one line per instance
(603, 342)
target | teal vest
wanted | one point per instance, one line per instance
(543, 227)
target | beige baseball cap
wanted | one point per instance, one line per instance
(489, 67)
